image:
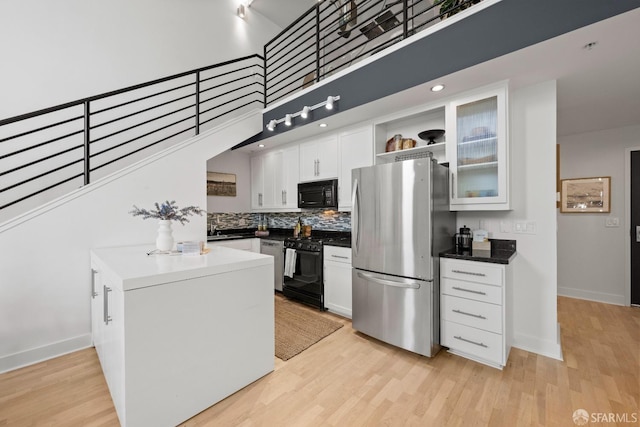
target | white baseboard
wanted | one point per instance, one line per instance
(591, 295)
(538, 346)
(40, 354)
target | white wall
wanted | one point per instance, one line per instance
(532, 147)
(45, 273)
(591, 257)
(238, 163)
(59, 51)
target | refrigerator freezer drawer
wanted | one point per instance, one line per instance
(472, 313)
(399, 311)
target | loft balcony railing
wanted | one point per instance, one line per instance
(47, 153)
(336, 34)
(50, 152)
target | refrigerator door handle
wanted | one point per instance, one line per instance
(355, 203)
(398, 284)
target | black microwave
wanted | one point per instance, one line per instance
(318, 194)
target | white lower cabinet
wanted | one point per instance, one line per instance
(475, 310)
(337, 280)
(252, 245)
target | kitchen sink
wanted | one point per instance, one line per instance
(224, 237)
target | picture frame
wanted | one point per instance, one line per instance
(221, 184)
(586, 195)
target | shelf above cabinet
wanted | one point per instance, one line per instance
(474, 166)
(436, 149)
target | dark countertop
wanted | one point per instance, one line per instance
(502, 252)
(332, 238)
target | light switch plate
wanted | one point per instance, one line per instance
(525, 227)
(612, 222)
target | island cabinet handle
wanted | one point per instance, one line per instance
(472, 273)
(471, 342)
(477, 316)
(340, 256)
(93, 283)
(106, 316)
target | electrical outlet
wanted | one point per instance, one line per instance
(612, 222)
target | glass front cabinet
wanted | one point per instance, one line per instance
(477, 150)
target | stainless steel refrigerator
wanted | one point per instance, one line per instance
(400, 222)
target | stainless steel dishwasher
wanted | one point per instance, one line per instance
(275, 248)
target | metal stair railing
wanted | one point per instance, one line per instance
(333, 35)
(46, 153)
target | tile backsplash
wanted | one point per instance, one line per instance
(318, 219)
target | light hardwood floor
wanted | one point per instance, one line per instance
(348, 379)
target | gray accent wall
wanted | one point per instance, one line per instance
(500, 29)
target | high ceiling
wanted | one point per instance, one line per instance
(598, 88)
(282, 12)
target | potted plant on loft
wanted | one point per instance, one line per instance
(449, 8)
(165, 213)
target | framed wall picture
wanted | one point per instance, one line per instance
(586, 195)
(221, 184)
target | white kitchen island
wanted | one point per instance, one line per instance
(176, 334)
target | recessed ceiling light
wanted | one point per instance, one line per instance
(261, 145)
(437, 88)
(323, 125)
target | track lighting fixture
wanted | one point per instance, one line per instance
(329, 104)
(304, 113)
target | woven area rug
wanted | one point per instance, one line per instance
(298, 328)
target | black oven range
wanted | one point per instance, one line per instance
(303, 279)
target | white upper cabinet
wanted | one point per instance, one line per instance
(477, 150)
(319, 159)
(257, 182)
(274, 180)
(287, 192)
(355, 149)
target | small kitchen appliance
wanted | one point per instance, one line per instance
(318, 194)
(463, 239)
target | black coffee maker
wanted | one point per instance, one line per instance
(463, 239)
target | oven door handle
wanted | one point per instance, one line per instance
(312, 253)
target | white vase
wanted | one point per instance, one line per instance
(164, 241)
